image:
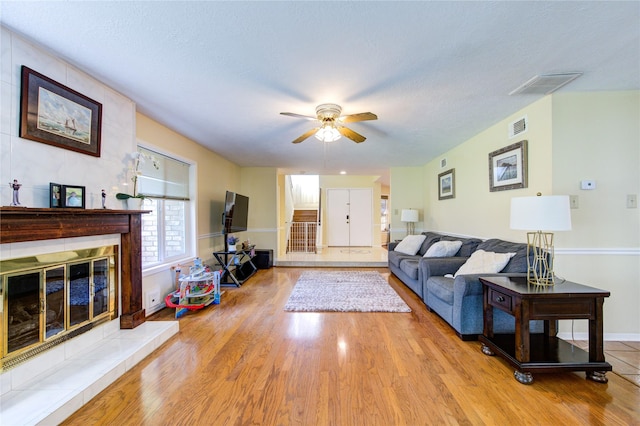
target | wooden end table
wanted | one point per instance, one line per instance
(544, 352)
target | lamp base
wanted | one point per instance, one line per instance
(540, 258)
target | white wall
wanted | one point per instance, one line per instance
(35, 164)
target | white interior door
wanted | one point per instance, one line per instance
(349, 217)
(338, 217)
(360, 217)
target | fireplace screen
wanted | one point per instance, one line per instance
(45, 298)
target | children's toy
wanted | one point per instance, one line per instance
(198, 289)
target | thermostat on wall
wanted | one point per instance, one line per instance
(588, 184)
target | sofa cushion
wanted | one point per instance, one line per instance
(484, 262)
(410, 267)
(518, 263)
(410, 244)
(443, 249)
(431, 238)
(395, 257)
(469, 245)
(442, 288)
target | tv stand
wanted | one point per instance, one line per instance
(236, 272)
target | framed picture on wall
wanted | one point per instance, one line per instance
(447, 184)
(57, 115)
(55, 190)
(72, 196)
(508, 167)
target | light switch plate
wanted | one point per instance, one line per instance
(574, 202)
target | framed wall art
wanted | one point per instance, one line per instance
(55, 190)
(508, 167)
(72, 196)
(57, 115)
(447, 184)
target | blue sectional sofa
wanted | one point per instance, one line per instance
(458, 300)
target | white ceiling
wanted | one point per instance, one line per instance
(435, 73)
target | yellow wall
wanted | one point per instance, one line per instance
(407, 192)
(490, 210)
(596, 136)
(214, 176)
(260, 184)
(571, 137)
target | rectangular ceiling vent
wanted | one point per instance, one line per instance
(518, 127)
(545, 84)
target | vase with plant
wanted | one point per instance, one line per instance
(232, 241)
(134, 202)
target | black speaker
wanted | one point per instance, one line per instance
(263, 259)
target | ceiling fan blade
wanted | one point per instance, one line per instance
(363, 116)
(293, 114)
(348, 133)
(306, 135)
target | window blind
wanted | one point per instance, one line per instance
(162, 176)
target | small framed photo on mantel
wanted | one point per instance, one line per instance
(55, 190)
(73, 196)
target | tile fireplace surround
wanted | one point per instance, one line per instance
(63, 378)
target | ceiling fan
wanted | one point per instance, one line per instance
(331, 123)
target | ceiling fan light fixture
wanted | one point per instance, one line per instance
(328, 133)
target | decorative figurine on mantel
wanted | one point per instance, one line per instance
(104, 199)
(16, 187)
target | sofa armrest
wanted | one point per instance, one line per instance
(392, 245)
(440, 266)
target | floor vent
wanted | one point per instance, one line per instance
(545, 84)
(518, 127)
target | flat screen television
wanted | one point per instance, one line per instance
(236, 212)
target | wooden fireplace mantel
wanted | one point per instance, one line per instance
(20, 224)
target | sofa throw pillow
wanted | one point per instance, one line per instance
(443, 249)
(484, 262)
(410, 244)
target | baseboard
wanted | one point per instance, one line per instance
(608, 337)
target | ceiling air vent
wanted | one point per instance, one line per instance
(545, 84)
(518, 127)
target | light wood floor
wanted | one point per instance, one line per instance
(247, 362)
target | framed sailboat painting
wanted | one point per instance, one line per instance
(58, 115)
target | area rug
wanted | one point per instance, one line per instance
(344, 291)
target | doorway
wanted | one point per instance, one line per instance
(349, 217)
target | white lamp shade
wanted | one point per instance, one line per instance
(541, 213)
(409, 215)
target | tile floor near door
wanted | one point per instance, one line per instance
(623, 356)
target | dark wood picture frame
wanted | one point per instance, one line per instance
(72, 196)
(55, 192)
(57, 115)
(508, 167)
(447, 185)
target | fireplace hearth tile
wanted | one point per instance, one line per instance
(70, 384)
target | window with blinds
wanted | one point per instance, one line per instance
(167, 233)
(162, 176)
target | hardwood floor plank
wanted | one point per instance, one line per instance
(248, 362)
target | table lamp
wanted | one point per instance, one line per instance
(410, 216)
(540, 214)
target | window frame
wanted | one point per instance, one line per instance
(189, 216)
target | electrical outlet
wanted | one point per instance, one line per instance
(153, 298)
(632, 201)
(573, 201)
